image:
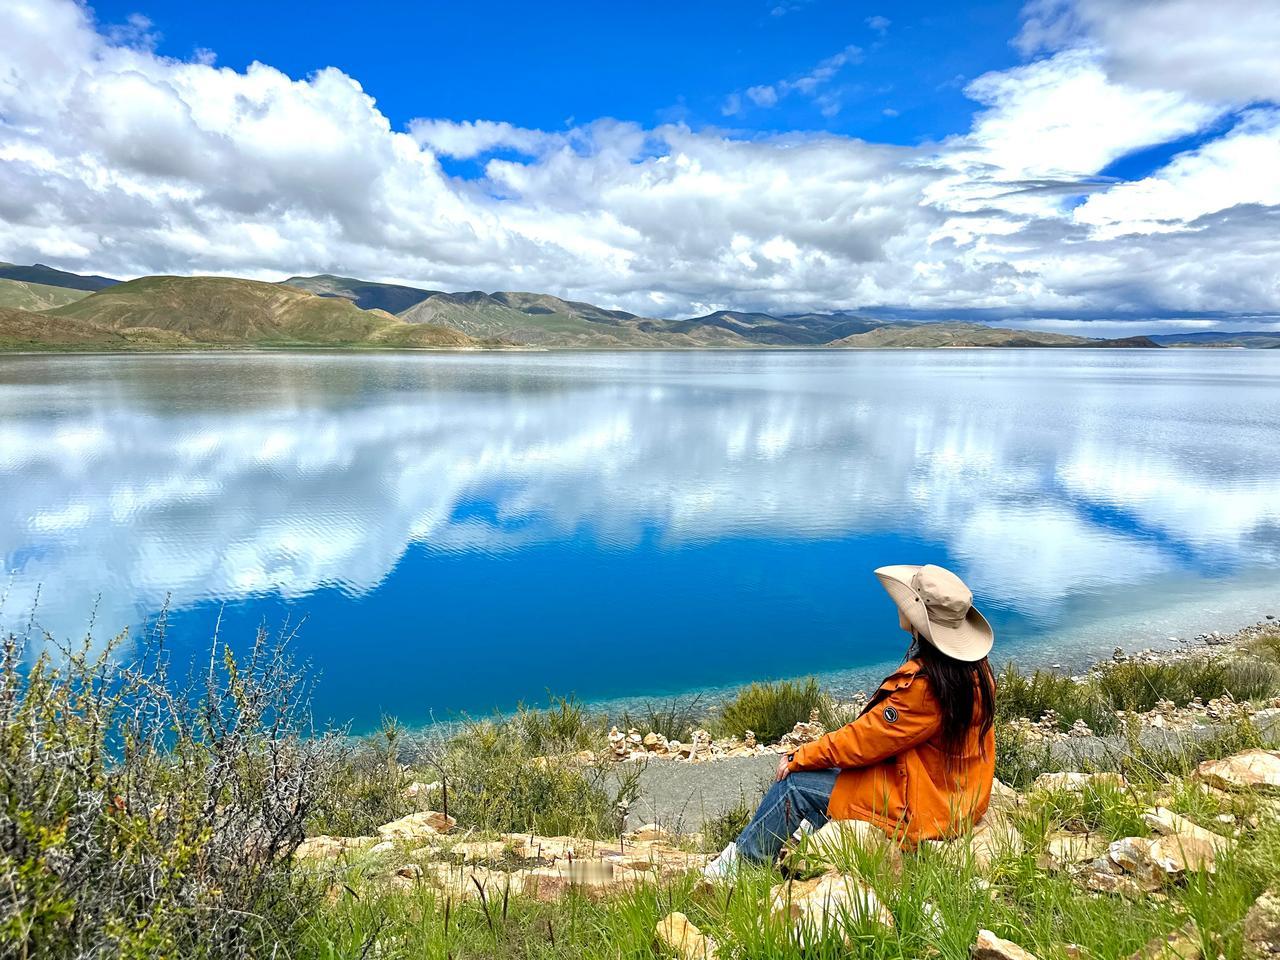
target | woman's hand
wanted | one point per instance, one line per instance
(784, 768)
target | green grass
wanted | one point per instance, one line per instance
(937, 898)
(769, 709)
(1135, 686)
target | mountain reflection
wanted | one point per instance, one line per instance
(1042, 474)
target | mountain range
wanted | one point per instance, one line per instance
(45, 308)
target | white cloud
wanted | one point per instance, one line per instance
(1241, 167)
(1220, 52)
(879, 24)
(117, 160)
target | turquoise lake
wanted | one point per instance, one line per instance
(467, 531)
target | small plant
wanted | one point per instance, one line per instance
(365, 786)
(770, 709)
(719, 831)
(524, 773)
(674, 719)
(1137, 685)
(1033, 695)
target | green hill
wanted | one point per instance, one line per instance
(39, 273)
(229, 312)
(26, 295)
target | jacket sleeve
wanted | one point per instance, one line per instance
(907, 717)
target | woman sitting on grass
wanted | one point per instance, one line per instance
(919, 761)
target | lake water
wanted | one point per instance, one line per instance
(462, 532)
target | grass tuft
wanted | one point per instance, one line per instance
(769, 709)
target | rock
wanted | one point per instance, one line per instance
(993, 836)
(1004, 797)
(650, 831)
(1262, 926)
(702, 746)
(1250, 769)
(618, 744)
(1181, 944)
(818, 907)
(842, 840)
(1141, 856)
(417, 826)
(1078, 782)
(327, 848)
(990, 947)
(803, 733)
(683, 939)
(418, 789)
(1080, 729)
(410, 871)
(655, 743)
(1066, 849)
(475, 850)
(1104, 876)
(750, 739)
(1165, 858)
(1169, 824)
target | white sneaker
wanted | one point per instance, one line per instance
(724, 864)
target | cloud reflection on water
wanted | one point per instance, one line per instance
(1045, 474)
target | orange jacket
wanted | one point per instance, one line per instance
(893, 772)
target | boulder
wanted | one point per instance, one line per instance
(990, 947)
(818, 907)
(1262, 927)
(1181, 944)
(655, 743)
(1252, 769)
(680, 937)
(417, 826)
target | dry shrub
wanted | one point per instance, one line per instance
(144, 816)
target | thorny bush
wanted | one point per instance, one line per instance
(146, 816)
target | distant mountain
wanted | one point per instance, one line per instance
(24, 295)
(365, 294)
(944, 334)
(343, 311)
(39, 273)
(1254, 339)
(538, 319)
(795, 330)
(229, 312)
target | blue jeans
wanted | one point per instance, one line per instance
(796, 797)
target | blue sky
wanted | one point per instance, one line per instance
(1079, 165)
(553, 65)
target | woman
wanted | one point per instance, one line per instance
(919, 761)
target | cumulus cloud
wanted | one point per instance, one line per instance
(115, 159)
(1220, 52)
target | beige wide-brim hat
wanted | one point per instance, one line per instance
(940, 608)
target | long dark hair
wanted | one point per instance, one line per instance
(965, 691)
